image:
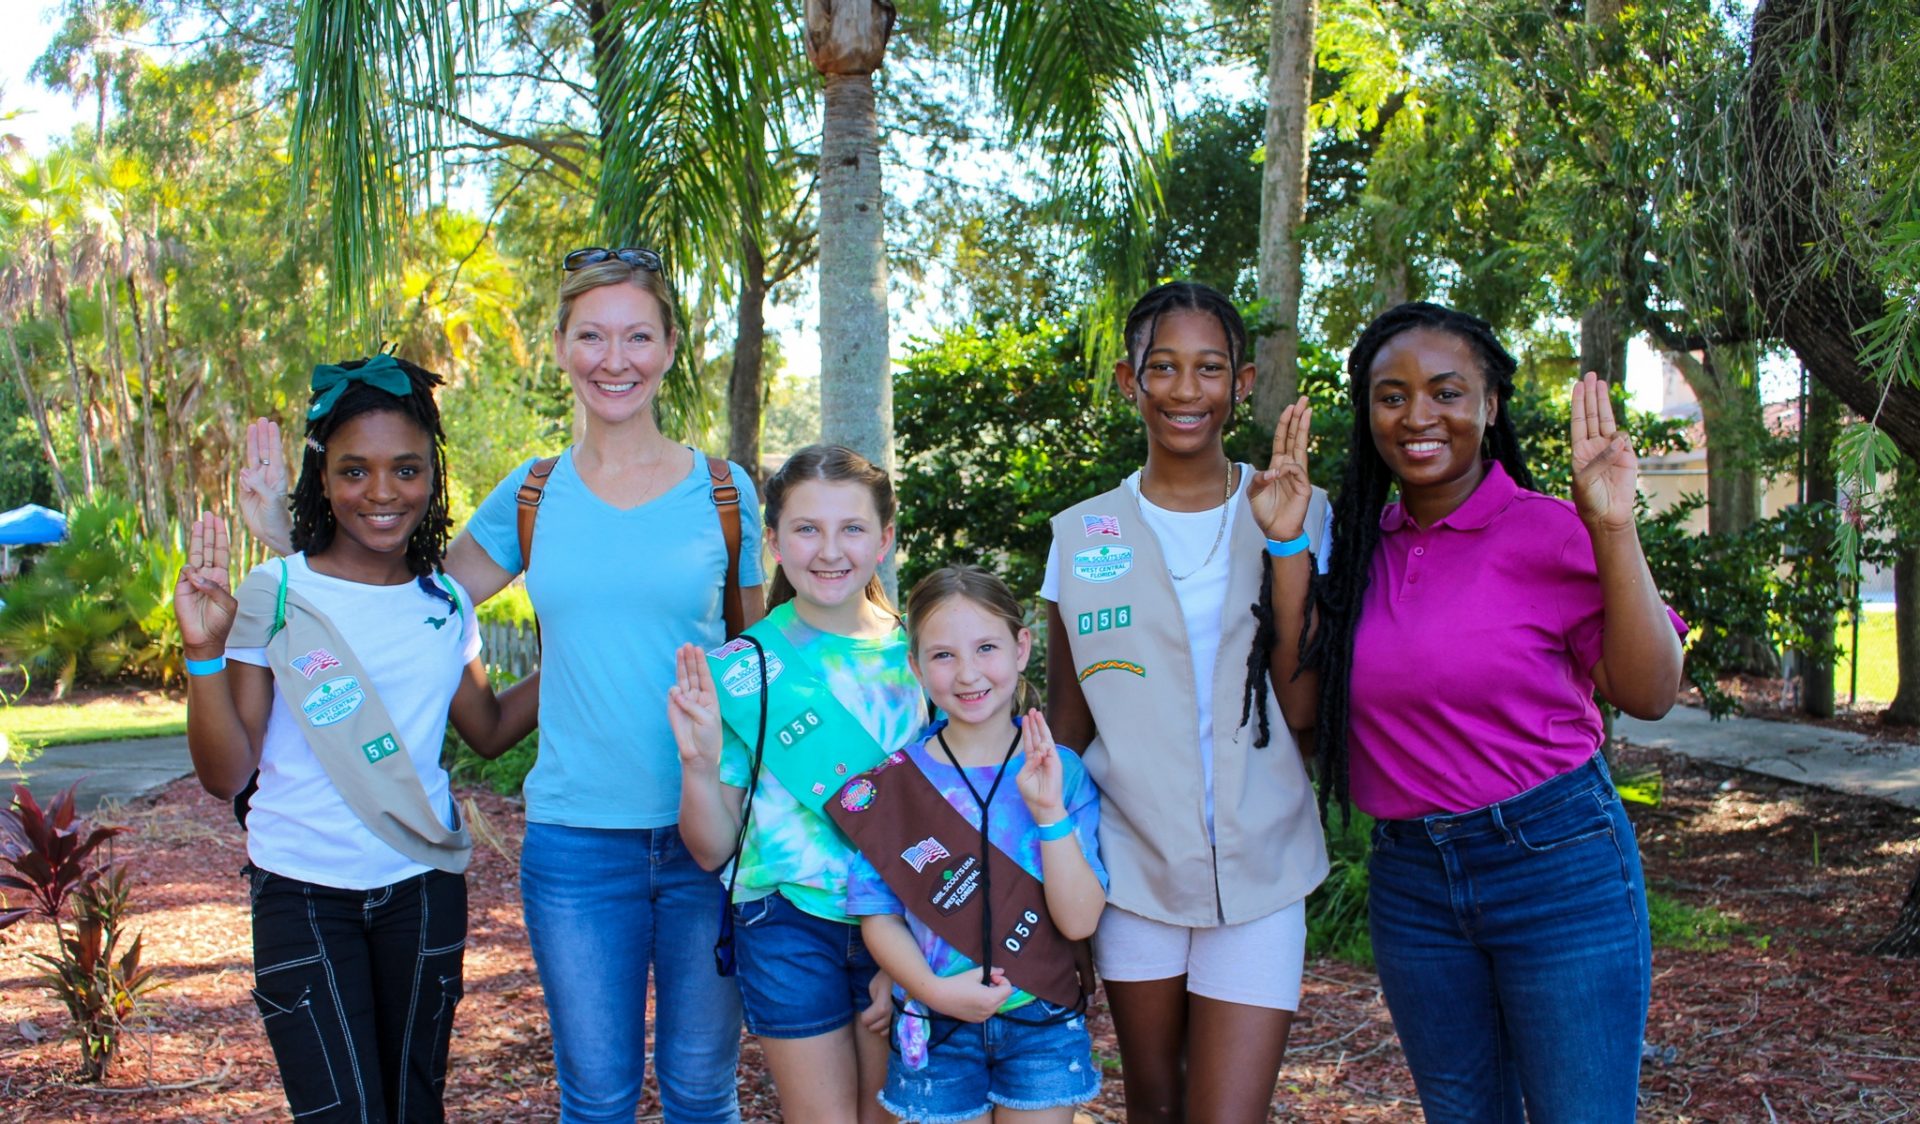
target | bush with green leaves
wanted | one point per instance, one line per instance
(98, 607)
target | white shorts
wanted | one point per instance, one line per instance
(1256, 962)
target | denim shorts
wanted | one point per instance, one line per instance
(971, 1067)
(800, 975)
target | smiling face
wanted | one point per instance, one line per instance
(1185, 384)
(829, 541)
(969, 661)
(1429, 405)
(379, 483)
(615, 349)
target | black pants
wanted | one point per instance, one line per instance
(357, 989)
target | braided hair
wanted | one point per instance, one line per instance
(1338, 595)
(313, 522)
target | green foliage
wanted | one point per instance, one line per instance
(1676, 924)
(510, 606)
(997, 433)
(97, 607)
(1337, 911)
(504, 774)
(23, 467)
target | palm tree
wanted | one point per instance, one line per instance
(690, 103)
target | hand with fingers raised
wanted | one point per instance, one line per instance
(202, 599)
(1281, 491)
(1605, 469)
(263, 487)
(1040, 779)
(693, 710)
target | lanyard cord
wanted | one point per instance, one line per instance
(986, 845)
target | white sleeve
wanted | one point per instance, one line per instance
(255, 656)
(1326, 537)
(1050, 584)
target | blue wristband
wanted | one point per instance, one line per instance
(213, 666)
(1059, 829)
(1289, 548)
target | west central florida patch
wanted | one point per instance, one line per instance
(333, 701)
(1101, 564)
(742, 677)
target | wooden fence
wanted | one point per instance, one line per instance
(509, 649)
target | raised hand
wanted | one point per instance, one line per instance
(1039, 779)
(965, 998)
(1281, 491)
(693, 710)
(1605, 469)
(202, 598)
(263, 486)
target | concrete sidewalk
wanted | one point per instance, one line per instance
(1835, 759)
(117, 771)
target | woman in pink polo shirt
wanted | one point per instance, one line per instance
(1448, 669)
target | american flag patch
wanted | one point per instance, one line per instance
(921, 853)
(315, 662)
(1101, 525)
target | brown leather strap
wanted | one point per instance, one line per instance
(528, 497)
(726, 501)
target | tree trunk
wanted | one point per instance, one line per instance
(1905, 710)
(1822, 425)
(1816, 295)
(130, 457)
(150, 454)
(1283, 207)
(82, 401)
(1903, 941)
(846, 41)
(746, 382)
(38, 409)
(1603, 342)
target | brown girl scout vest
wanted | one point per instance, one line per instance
(1130, 653)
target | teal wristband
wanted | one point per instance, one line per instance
(1289, 548)
(207, 667)
(1059, 829)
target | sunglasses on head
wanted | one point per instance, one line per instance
(636, 256)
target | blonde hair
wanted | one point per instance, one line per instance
(832, 464)
(613, 271)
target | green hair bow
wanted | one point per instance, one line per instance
(330, 381)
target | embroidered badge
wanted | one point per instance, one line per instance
(315, 662)
(380, 747)
(799, 728)
(957, 886)
(1101, 620)
(1100, 564)
(743, 678)
(1111, 665)
(819, 789)
(921, 853)
(739, 644)
(438, 623)
(857, 796)
(897, 757)
(1101, 525)
(333, 701)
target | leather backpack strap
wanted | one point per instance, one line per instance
(528, 498)
(726, 501)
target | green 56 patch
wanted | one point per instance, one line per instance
(1105, 620)
(381, 747)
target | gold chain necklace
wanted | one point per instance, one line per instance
(1218, 533)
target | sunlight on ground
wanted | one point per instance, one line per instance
(139, 714)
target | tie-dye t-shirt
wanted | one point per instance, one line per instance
(1010, 828)
(789, 847)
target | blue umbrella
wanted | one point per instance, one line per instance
(32, 524)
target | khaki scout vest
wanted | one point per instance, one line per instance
(1130, 653)
(333, 702)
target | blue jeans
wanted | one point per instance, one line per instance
(800, 975)
(603, 905)
(1513, 951)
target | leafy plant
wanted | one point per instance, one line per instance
(98, 606)
(1337, 911)
(50, 853)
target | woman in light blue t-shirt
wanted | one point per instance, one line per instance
(628, 563)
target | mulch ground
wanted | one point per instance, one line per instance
(1784, 1018)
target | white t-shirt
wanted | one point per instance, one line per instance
(1185, 538)
(298, 826)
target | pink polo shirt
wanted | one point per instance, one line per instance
(1472, 662)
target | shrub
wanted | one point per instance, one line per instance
(97, 607)
(1337, 911)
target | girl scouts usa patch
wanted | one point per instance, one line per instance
(743, 678)
(1100, 564)
(333, 701)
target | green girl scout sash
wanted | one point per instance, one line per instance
(333, 700)
(812, 743)
(937, 863)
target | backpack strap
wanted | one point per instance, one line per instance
(528, 498)
(726, 501)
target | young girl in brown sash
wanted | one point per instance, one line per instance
(975, 894)
(355, 851)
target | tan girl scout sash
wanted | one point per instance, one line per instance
(938, 863)
(812, 743)
(333, 700)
